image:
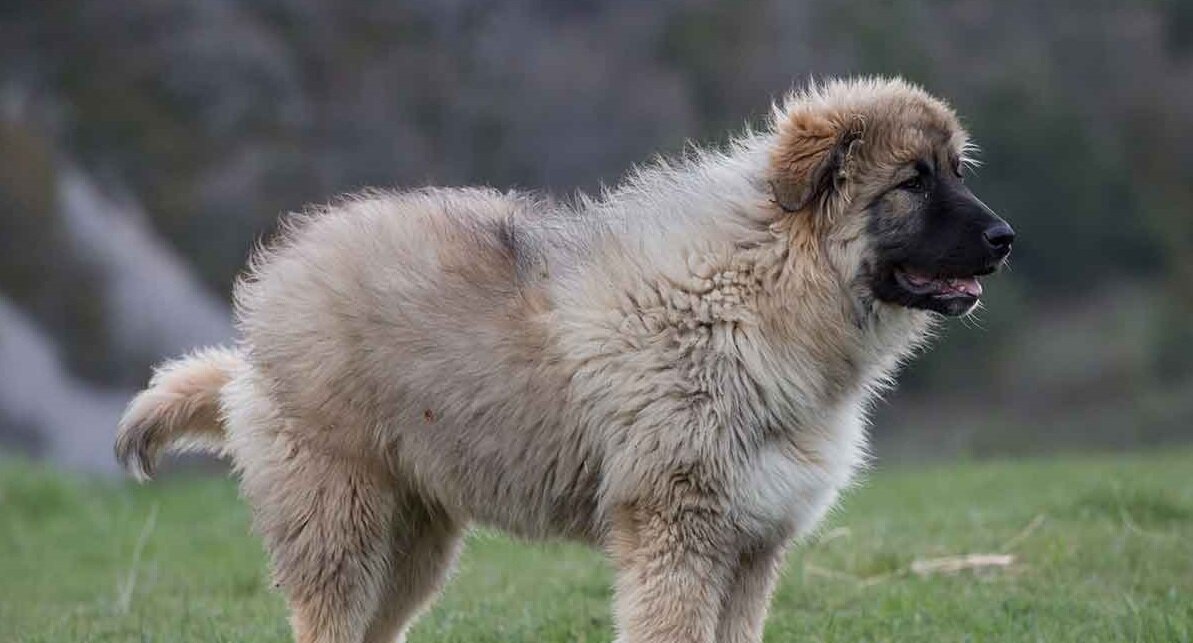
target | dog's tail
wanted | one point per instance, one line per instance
(180, 411)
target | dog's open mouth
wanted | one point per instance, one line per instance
(948, 294)
(920, 283)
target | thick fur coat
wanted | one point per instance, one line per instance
(676, 372)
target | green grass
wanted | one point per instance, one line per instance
(1103, 546)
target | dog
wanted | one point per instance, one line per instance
(676, 371)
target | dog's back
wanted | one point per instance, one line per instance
(411, 327)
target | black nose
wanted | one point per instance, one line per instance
(999, 237)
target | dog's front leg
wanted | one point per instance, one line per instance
(672, 574)
(743, 613)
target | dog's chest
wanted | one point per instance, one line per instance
(787, 488)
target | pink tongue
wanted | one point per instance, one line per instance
(967, 285)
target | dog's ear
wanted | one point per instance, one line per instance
(812, 159)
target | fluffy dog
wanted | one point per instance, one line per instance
(676, 372)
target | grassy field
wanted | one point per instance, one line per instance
(1103, 551)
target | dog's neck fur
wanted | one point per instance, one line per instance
(715, 256)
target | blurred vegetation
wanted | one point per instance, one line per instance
(1100, 547)
(218, 115)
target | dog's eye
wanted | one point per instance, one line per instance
(914, 184)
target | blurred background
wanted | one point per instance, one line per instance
(146, 145)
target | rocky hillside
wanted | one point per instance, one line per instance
(145, 146)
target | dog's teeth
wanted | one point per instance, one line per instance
(968, 285)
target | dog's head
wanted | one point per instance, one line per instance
(876, 168)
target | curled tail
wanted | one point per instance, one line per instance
(179, 411)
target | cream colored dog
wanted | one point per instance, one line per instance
(676, 372)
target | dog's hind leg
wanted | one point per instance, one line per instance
(422, 553)
(353, 549)
(328, 522)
